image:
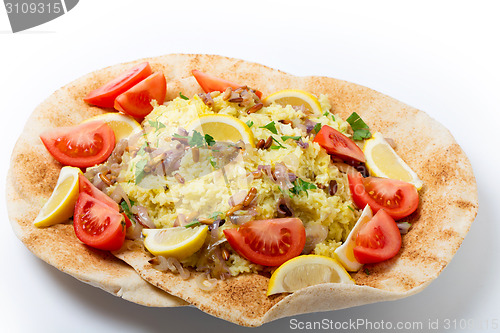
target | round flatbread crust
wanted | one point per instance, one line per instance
(448, 199)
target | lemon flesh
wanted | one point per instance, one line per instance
(222, 128)
(295, 97)
(307, 270)
(61, 204)
(383, 161)
(122, 125)
(179, 242)
(344, 253)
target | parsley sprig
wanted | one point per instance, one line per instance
(359, 127)
(271, 127)
(198, 139)
(156, 124)
(300, 185)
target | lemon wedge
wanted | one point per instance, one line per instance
(344, 253)
(307, 270)
(383, 161)
(122, 125)
(61, 203)
(295, 97)
(222, 128)
(179, 242)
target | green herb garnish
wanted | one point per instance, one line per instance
(279, 146)
(249, 123)
(192, 223)
(197, 139)
(126, 209)
(367, 272)
(359, 127)
(213, 163)
(300, 185)
(139, 171)
(271, 127)
(142, 149)
(209, 140)
(156, 124)
(317, 128)
(286, 137)
(215, 215)
(183, 97)
(350, 208)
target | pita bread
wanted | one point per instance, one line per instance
(448, 199)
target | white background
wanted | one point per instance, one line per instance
(441, 57)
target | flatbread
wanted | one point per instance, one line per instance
(448, 199)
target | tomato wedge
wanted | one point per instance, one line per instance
(105, 96)
(87, 187)
(136, 101)
(97, 225)
(211, 83)
(399, 199)
(82, 145)
(268, 242)
(378, 240)
(336, 143)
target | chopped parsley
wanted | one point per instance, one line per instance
(156, 124)
(193, 223)
(271, 127)
(126, 209)
(197, 139)
(359, 127)
(139, 171)
(279, 146)
(142, 149)
(286, 137)
(183, 97)
(213, 163)
(249, 123)
(367, 272)
(300, 185)
(209, 140)
(327, 113)
(317, 128)
(216, 215)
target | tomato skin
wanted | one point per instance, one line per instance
(378, 240)
(136, 101)
(336, 143)
(128, 223)
(105, 96)
(259, 240)
(82, 145)
(87, 187)
(97, 225)
(399, 199)
(211, 83)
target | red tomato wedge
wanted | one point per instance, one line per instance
(87, 187)
(82, 145)
(211, 83)
(268, 242)
(399, 199)
(378, 240)
(336, 143)
(105, 96)
(97, 225)
(136, 101)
